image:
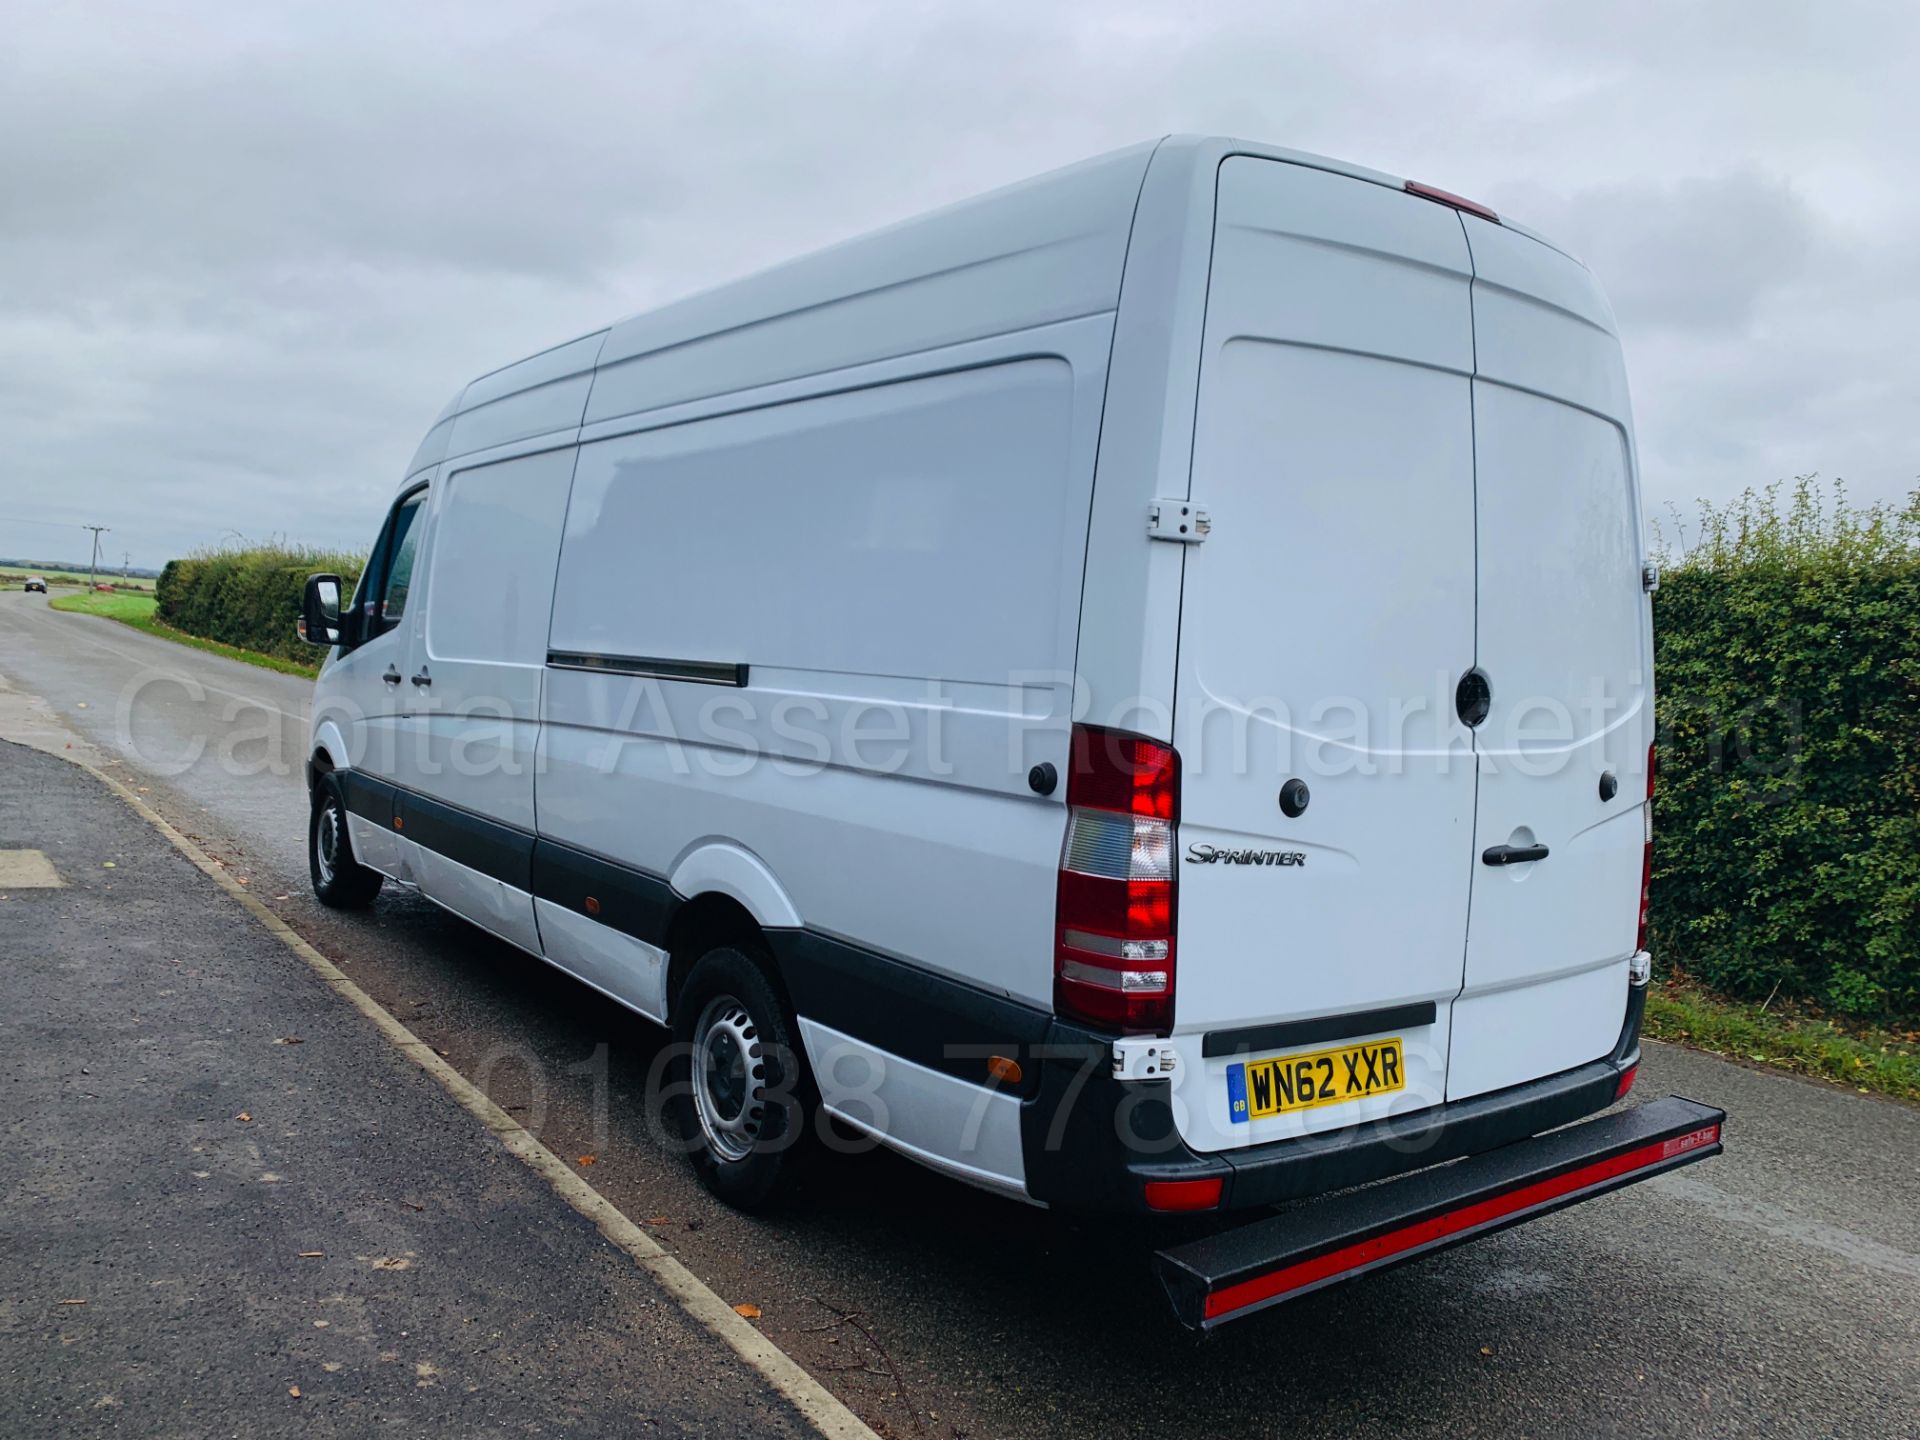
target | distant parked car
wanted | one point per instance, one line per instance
(34, 582)
(105, 587)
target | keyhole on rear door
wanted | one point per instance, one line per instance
(1473, 697)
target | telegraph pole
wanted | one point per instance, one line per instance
(93, 561)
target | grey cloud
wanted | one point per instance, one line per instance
(1698, 253)
(246, 253)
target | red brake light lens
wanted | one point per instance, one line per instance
(1112, 770)
(1116, 904)
(1447, 197)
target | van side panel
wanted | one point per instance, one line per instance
(842, 535)
(1036, 253)
(481, 634)
(895, 568)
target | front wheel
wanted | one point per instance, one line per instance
(735, 1080)
(339, 880)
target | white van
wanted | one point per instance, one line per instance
(1134, 690)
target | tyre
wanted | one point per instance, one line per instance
(338, 879)
(736, 1080)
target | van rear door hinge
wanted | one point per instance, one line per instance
(1182, 521)
(1140, 1057)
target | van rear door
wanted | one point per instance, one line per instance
(1565, 642)
(1324, 622)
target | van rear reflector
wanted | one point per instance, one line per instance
(1447, 197)
(1237, 1272)
(1172, 1196)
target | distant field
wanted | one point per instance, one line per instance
(12, 577)
(137, 611)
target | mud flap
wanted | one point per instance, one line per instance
(1238, 1272)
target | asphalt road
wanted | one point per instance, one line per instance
(232, 1206)
(1772, 1291)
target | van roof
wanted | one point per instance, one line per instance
(1042, 250)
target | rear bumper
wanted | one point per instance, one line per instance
(1238, 1272)
(1093, 1143)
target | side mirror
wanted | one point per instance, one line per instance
(320, 611)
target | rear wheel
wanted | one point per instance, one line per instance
(735, 1080)
(338, 879)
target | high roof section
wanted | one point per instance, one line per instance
(1044, 250)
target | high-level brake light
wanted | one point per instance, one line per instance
(1115, 912)
(1447, 197)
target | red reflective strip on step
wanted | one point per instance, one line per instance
(1441, 1227)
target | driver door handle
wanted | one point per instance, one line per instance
(1512, 854)
(422, 678)
(392, 677)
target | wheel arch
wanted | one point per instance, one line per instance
(329, 753)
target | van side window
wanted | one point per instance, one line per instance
(399, 569)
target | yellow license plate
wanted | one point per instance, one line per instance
(1259, 1088)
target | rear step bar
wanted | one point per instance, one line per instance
(1233, 1274)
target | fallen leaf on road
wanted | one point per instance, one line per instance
(313, 1254)
(109, 865)
(752, 1312)
(392, 1262)
(1486, 1349)
(243, 1117)
(73, 1302)
(659, 1220)
(290, 1040)
(586, 1159)
(294, 1391)
(279, 897)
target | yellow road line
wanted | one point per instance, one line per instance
(775, 1366)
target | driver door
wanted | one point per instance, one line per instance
(365, 683)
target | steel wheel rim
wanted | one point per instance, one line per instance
(326, 849)
(729, 1078)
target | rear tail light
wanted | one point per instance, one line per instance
(1114, 919)
(1626, 1082)
(1646, 859)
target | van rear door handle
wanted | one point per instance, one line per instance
(1512, 854)
(421, 678)
(392, 677)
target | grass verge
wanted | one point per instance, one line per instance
(1873, 1061)
(137, 611)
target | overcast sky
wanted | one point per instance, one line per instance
(247, 251)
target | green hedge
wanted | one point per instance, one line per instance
(248, 597)
(1787, 815)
